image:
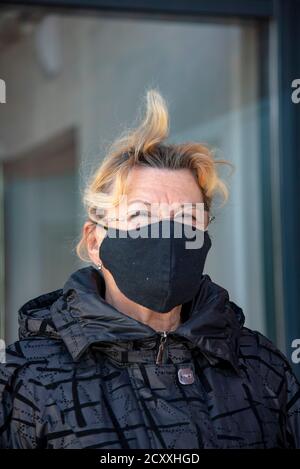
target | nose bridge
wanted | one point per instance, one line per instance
(167, 210)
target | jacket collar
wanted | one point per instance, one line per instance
(82, 318)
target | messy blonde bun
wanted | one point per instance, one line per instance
(145, 145)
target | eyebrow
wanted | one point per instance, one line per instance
(139, 200)
(193, 204)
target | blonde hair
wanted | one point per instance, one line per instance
(145, 146)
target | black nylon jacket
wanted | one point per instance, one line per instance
(85, 375)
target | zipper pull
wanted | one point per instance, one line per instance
(161, 348)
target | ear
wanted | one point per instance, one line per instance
(93, 237)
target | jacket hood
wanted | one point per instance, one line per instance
(79, 315)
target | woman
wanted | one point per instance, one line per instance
(141, 349)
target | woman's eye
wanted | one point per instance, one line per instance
(186, 216)
(138, 213)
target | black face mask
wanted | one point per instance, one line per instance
(158, 273)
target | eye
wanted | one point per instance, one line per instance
(137, 213)
(186, 216)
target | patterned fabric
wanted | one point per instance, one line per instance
(84, 375)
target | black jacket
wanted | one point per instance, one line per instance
(84, 375)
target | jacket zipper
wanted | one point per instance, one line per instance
(161, 348)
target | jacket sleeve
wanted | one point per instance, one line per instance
(292, 409)
(19, 412)
(285, 386)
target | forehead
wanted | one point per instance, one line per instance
(155, 185)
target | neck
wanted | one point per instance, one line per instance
(159, 322)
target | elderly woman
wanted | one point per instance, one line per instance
(141, 349)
